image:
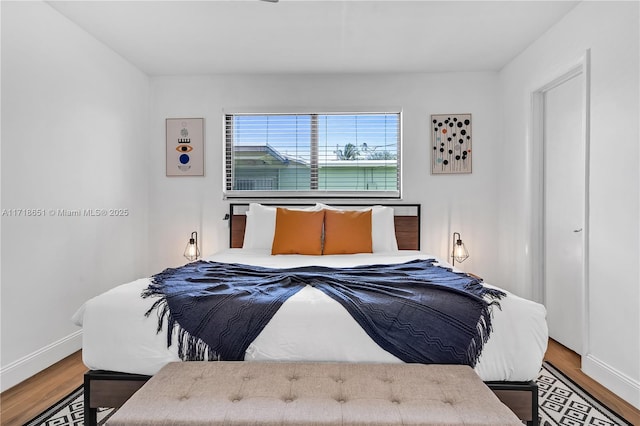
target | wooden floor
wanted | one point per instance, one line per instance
(26, 400)
(23, 402)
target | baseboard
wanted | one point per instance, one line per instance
(27, 366)
(619, 383)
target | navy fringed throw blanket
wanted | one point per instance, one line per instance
(417, 311)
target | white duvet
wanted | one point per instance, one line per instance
(310, 326)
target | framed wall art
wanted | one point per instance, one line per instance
(185, 146)
(451, 143)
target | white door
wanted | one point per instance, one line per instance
(564, 211)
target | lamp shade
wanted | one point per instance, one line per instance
(460, 252)
(192, 252)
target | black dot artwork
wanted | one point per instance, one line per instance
(451, 143)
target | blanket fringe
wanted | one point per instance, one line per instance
(190, 348)
(483, 329)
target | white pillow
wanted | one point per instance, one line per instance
(261, 225)
(383, 228)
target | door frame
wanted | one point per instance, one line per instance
(537, 180)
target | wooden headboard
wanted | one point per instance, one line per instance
(406, 218)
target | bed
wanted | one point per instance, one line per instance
(122, 348)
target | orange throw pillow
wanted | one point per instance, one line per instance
(347, 232)
(298, 232)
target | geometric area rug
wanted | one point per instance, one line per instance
(561, 403)
(69, 411)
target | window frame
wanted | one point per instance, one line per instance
(228, 157)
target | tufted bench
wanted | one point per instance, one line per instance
(244, 393)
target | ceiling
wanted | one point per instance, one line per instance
(305, 36)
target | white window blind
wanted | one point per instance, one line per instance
(312, 155)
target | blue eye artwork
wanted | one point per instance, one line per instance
(185, 142)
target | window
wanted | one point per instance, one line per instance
(312, 155)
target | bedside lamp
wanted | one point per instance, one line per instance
(192, 252)
(460, 252)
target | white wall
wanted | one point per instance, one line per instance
(610, 30)
(74, 136)
(464, 203)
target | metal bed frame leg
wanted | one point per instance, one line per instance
(534, 404)
(108, 389)
(90, 414)
(520, 397)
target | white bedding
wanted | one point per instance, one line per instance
(309, 326)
